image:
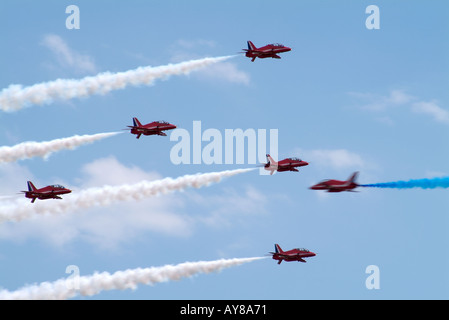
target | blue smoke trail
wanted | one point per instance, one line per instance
(417, 183)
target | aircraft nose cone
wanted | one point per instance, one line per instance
(305, 163)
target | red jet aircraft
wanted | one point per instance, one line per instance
(153, 128)
(337, 185)
(291, 255)
(288, 164)
(48, 192)
(268, 51)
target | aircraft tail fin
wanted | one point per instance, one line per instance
(251, 46)
(271, 160)
(278, 249)
(31, 186)
(353, 177)
(272, 164)
(136, 122)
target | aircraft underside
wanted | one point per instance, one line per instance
(288, 169)
(289, 260)
(275, 56)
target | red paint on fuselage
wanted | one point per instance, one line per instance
(297, 254)
(288, 164)
(268, 51)
(331, 185)
(48, 192)
(152, 128)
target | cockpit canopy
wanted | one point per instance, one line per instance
(277, 45)
(57, 186)
(295, 159)
(162, 122)
(302, 249)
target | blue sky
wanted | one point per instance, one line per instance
(344, 99)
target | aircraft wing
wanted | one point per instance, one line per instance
(284, 164)
(265, 53)
(291, 256)
(287, 255)
(40, 193)
(281, 255)
(152, 128)
(341, 187)
(146, 130)
(297, 256)
(329, 189)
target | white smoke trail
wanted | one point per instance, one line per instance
(121, 280)
(16, 97)
(18, 210)
(43, 149)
